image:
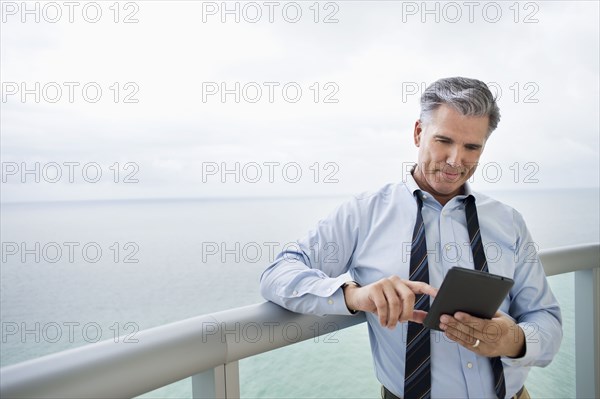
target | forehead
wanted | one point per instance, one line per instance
(447, 121)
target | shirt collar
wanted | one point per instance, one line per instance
(413, 187)
(411, 183)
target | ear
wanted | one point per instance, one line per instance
(418, 132)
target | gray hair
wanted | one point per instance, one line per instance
(470, 97)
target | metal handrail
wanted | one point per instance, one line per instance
(169, 353)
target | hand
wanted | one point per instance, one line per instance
(392, 299)
(499, 336)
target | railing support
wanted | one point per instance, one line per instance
(587, 333)
(221, 382)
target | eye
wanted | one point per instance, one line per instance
(472, 147)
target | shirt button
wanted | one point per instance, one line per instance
(470, 365)
(424, 197)
(295, 293)
(328, 289)
(330, 301)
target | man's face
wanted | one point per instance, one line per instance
(450, 146)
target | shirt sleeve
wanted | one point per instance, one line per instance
(308, 277)
(533, 305)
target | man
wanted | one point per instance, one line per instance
(380, 253)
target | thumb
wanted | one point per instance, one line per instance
(418, 316)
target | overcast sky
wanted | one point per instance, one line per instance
(328, 95)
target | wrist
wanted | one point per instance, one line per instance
(520, 346)
(347, 288)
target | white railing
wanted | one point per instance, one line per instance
(207, 348)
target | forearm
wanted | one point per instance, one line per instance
(307, 277)
(293, 285)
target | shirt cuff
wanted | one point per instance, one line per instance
(533, 348)
(321, 295)
(337, 301)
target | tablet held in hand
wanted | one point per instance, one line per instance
(477, 293)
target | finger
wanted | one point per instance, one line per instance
(380, 302)
(394, 305)
(467, 342)
(419, 287)
(465, 318)
(407, 298)
(457, 329)
(489, 331)
(473, 328)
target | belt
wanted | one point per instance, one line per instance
(386, 394)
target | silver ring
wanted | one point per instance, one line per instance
(476, 343)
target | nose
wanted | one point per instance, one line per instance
(455, 157)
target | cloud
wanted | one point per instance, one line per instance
(343, 93)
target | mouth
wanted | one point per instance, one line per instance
(451, 175)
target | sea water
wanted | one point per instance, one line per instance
(73, 273)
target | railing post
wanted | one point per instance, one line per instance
(587, 333)
(221, 382)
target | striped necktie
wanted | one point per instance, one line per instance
(417, 373)
(480, 263)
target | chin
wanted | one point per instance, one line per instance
(446, 189)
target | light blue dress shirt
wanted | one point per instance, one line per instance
(369, 238)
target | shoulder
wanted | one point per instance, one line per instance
(384, 193)
(386, 196)
(485, 201)
(368, 204)
(497, 212)
(389, 202)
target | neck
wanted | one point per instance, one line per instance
(442, 198)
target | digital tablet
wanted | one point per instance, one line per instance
(477, 293)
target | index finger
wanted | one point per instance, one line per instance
(419, 287)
